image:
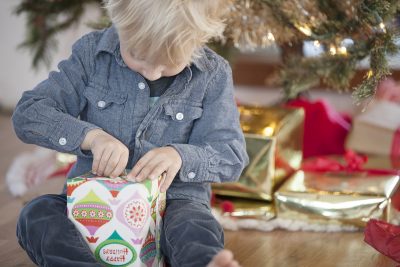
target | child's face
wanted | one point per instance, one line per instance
(150, 71)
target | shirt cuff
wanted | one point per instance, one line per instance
(195, 163)
(69, 134)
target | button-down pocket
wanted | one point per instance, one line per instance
(182, 113)
(175, 122)
(105, 108)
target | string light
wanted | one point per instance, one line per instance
(382, 26)
(304, 29)
(332, 50)
(270, 37)
(369, 74)
(342, 50)
(268, 131)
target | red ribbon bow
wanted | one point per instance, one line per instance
(353, 163)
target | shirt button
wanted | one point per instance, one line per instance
(62, 141)
(138, 134)
(141, 85)
(101, 104)
(191, 175)
(179, 116)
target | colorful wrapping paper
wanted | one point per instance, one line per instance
(336, 198)
(274, 137)
(120, 220)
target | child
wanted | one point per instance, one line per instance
(152, 98)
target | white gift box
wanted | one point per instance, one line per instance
(377, 130)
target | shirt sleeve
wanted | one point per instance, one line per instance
(48, 114)
(216, 151)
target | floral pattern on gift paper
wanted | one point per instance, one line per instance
(134, 213)
(87, 210)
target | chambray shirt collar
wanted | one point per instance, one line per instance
(109, 42)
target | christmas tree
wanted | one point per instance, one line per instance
(346, 31)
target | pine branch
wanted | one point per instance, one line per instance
(45, 19)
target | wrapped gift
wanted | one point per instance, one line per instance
(377, 130)
(119, 219)
(384, 237)
(257, 178)
(274, 138)
(382, 162)
(336, 198)
(245, 208)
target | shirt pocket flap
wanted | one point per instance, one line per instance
(182, 112)
(102, 98)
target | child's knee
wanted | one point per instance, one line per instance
(37, 209)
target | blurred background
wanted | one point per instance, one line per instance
(317, 85)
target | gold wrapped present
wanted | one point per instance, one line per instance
(382, 162)
(341, 198)
(274, 139)
(248, 209)
(256, 179)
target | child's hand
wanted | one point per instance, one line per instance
(154, 163)
(110, 156)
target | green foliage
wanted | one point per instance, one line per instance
(370, 24)
(45, 19)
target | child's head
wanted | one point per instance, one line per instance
(165, 32)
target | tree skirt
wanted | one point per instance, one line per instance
(234, 224)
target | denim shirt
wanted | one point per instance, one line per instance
(94, 88)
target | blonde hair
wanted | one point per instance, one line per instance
(168, 31)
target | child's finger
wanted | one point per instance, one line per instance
(146, 170)
(167, 181)
(97, 155)
(142, 162)
(121, 165)
(103, 162)
(112, 162)
(158, 170)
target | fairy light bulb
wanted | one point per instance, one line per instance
(382, 26)
(270, 36)
(268, 131)
(369, 74)
(332, 50)
(342, 50)
(304, 29)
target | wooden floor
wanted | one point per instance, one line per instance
(252, 249)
